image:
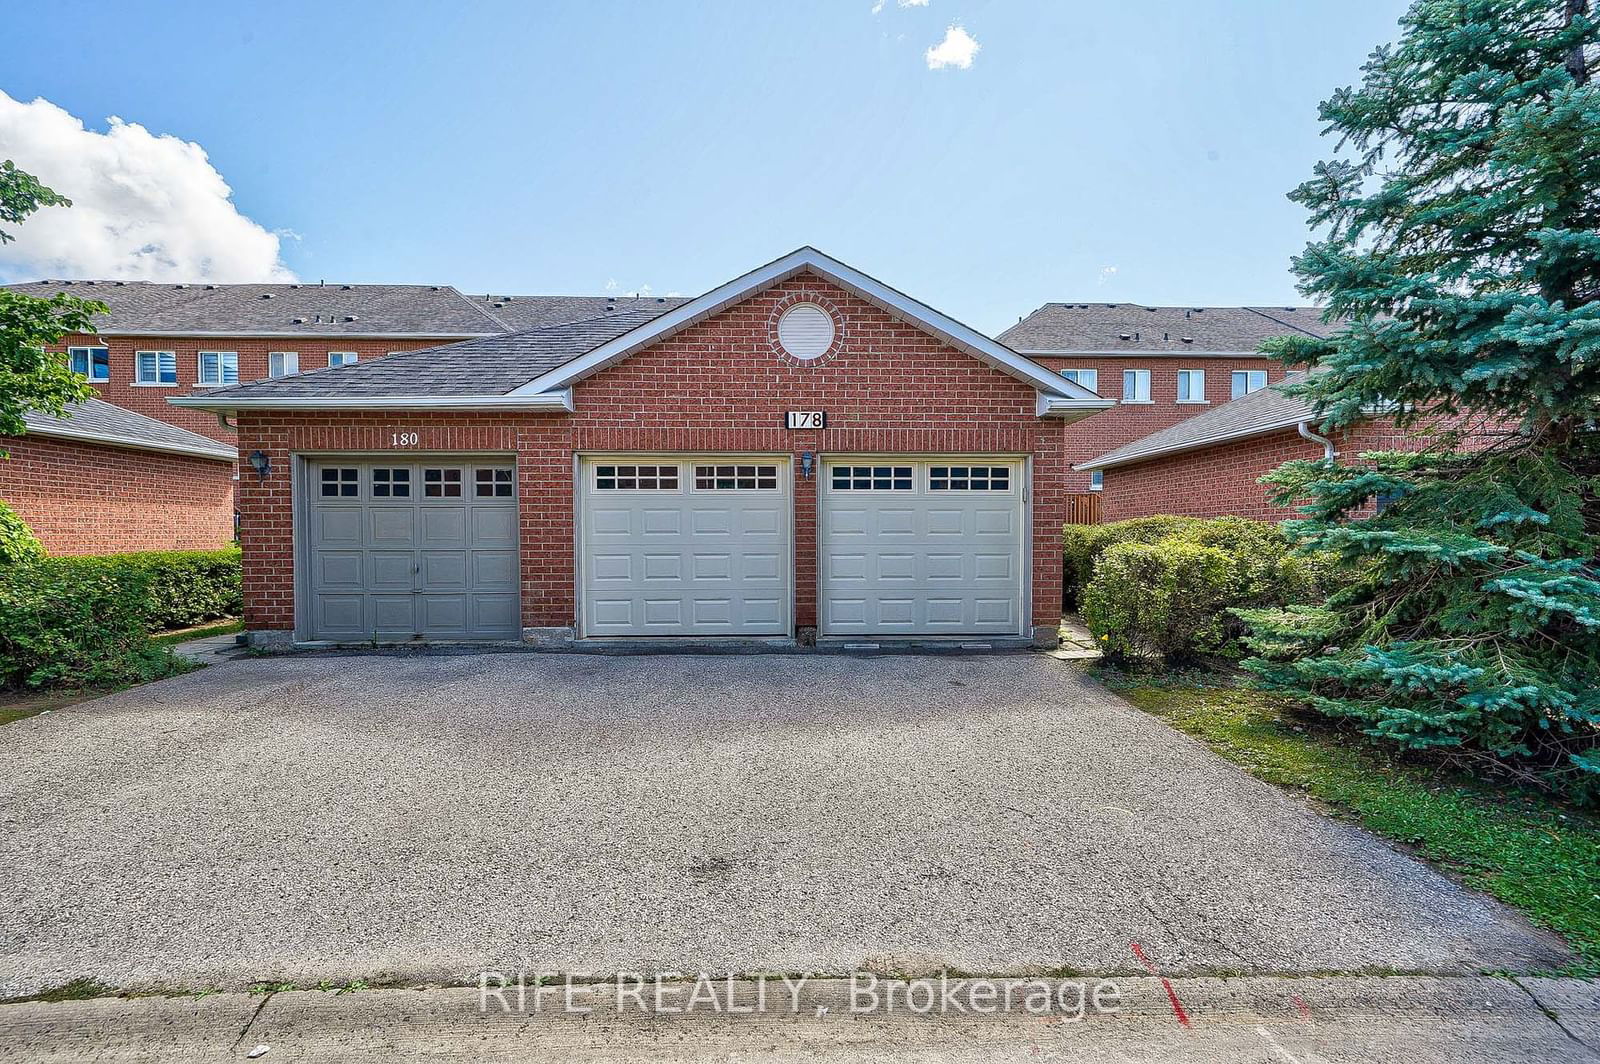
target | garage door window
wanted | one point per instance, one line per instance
(441, 483)
(871, 478)
(391, 483)
(636, 478)
(735, 477)
(492, 483)
(969, 478)
(340, 483)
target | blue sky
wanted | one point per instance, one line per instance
(1091, 151)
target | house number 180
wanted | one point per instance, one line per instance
(403, 439)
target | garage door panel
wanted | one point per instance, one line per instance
(392, 565)
(706, 555)
(900, 556)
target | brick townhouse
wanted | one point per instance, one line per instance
(1163, 365)
(803, 452)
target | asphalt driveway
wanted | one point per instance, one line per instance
(369, 818)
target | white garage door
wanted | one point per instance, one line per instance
(922, 547)
(419, 549)
(685, 546)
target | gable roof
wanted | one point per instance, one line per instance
(1262, 411)
(536, 368)
(97, 421)
(286, 310)
(1062, 393)
(539, 312)
(1130, 328)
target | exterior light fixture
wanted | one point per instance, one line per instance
(805, 464)
(260, 463)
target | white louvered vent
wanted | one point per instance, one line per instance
(805, 331)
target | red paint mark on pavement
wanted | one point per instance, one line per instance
(1172, 995)
(1301, 1006)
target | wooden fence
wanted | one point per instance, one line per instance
(1083, 508)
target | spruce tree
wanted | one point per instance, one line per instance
(1459, 240)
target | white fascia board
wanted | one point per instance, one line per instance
(554, 401)
(887, 299)
(246, 334)
(219, 453)
(1069, 410)
(1078, 353)
(1191, 445)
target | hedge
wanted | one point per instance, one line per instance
(17, 541)
(1172, 597)
(184, 587)
(86, 621)
(1082, 546)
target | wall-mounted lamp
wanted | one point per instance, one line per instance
(260, 463)
(805, 464)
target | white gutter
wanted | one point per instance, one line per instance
(1133, 353)
(556, 401)
(221, 453)
(182, 334)
(1070, 410)
(1328, 453)
(1105, 462)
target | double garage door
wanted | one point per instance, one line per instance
(404, 550)
(703, 546)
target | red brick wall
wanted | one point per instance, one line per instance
(716, 387)
(151, 400)
(1112, 428)
(80, 498)
(1223, 480)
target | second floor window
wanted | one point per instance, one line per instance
(1135, 386)
(1191, 386)
(283, 363)
(1246, 381)
(155, 367)
(219, 367)
(341, 358)
(91, 362)
(1088, 378)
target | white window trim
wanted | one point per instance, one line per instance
(1266, 380)
(1097, 481)
(88, 375)
(1202, 401)
(285, 355)
(355, 356)
(1149, 392)
(200, 369)
(158, 382)
(1093, 371)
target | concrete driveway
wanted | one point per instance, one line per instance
(423, 818)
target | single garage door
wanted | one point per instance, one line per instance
(413, 549)
(696, 546)
(922, 547)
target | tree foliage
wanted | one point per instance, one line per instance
(31, 376)
(1459, 237)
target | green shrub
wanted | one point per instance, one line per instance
(1082, 546)
(17, 541)
(185, 587)
(1161, 600)
(77, 626)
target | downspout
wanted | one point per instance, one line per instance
(1328, 453)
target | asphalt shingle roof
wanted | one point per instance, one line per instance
(492, 365)
(105, 422)
(1249, 415)
(538, 312)
(1137, 329)
(279, 309)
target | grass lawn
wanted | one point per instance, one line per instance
(183, 635)
(20, 705)
(1534, 854)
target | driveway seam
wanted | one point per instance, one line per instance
(1550, 1013)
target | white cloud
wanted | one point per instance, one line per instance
(912, 3)
(1106, 274)
(956, 50)
(144, 207)
(877, 7)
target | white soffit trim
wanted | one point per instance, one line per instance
(1191, 445)
(561, 400)
(887, 299)
(1126, 353)
(221, 452)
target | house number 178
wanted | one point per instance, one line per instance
(403, 439)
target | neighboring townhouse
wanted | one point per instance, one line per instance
(159, 340)
(1211, 464)
(1162, 364)
(103, 479)
(802, 452)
